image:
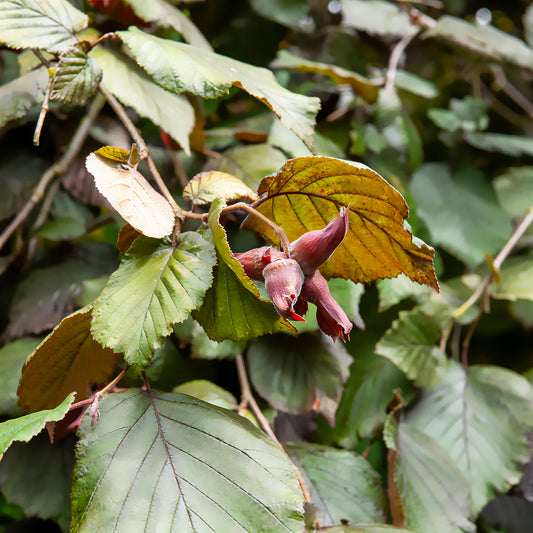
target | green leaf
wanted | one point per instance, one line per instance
(365, 528)
(482, 419)
(367, 393)
(308, 192)
(68, 360)
(513, 145)
(232, 308)
(17, 97)
(179, 67)
(433, 491)
(468, 114)
(68, 219)
(291, 145)
(286, 12)
(516, 279)
(170, 462)
(292, 372)
(37, 476)
(343, 485)
(461, 212)
(359, 84)
(393, 291)
(486, 40)
(414, 84)
(167, 15)
(134, 88)
(47, 295)
(251, 163)
(155, 287)
(208, 392)
(514, 189)
(76, 76)
(202, 347)
(26, 427)
(376, 17)
(411, 345)
(49, 24)
(12, 358)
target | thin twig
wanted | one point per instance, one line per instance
(498, 261)
(42, 115)
(143, 148)
(41, 219)
(285, 243)
(510, 90)
(247, 398)
(56, 169)
(93, 411)
(396, 55)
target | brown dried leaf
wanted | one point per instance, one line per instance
(131, 195)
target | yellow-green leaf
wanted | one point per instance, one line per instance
(309, 191)
(359, 84)
(206, 186)
(68, 360)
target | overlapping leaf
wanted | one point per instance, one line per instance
(12, 358)
(76, 76)
(359, 84)
(482, 419)
(411, 344)
(130, 194)
(233, 308)
(179, 67)
(37, 476)
(132, 87)
(516, 279)
(25, 427)
(367, 393)
(461, 212)
(47, 295)
(286, 13)
(376, 16)
(433, 491)
(155, 287)
(20, 95)
(514, 189)
(292, 380)
(49, 24)
(205, 187)
(308, 192)
(365, 528)
(170, 462)
(166, 15)
(68, 360)
(342, 485)
(484, 39)
(513, 145)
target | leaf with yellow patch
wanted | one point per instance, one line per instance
(206, 186)
(68, 360)
(309, 191)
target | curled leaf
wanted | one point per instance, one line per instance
(132, 196)
(206, 186)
